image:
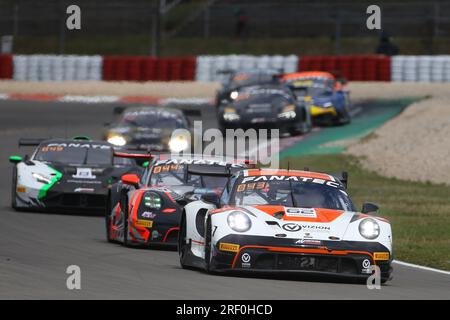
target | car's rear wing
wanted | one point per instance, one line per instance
(31, 142)
(142, 159)
(132, 155)
(226, 172)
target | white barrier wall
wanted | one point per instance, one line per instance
(208, 67)
(71, 67)
(420, 68)
(38, 67)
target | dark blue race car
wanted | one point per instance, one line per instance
(329, 102)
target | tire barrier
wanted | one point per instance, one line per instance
(356, 68)
(56, 68)
(142, 68)
(421, 68)
(6, 66)
(209, 67)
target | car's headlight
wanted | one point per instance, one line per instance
(369, 228)
(239, 221)
(288, 112)
(41, 178)
(178, 144)
(117, 140)
(327, 105)
(234, 95)
(230, 114)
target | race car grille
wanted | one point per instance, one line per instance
(92, 201)
(282, 261)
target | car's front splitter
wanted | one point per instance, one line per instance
(267, 254)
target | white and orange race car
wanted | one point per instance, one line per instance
(285, 221)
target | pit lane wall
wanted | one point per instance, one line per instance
(206, 68)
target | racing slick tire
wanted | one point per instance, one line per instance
(108, 219)
(124, 204)
(183, 248)
(14, 189)
(208, 233)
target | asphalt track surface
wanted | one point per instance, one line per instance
(36, 248)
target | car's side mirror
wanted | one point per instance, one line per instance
(369, 207)
(131, 179)
(15, 159)
(211, 197)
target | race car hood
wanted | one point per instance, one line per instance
(314, 223)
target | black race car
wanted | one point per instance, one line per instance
(265, 106)
(67, 175)
(238, 79)
(149, 128)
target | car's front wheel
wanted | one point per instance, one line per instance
(182, 246)
(208, 236)
(108, 219)
(14, 189)
(124, 211)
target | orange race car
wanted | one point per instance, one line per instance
(278, 221)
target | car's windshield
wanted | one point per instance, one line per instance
(304, 193)
(263, 99)
(75, 153)
(174, 175)
(152, 119)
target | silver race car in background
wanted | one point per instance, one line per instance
(66, 174)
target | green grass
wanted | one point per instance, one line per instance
(419, 212)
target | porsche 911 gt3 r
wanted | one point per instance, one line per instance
(149, 207)
(285, 221)
(66, 174)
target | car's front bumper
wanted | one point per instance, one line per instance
(350, 259)
(75, 202)
(162, 230)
